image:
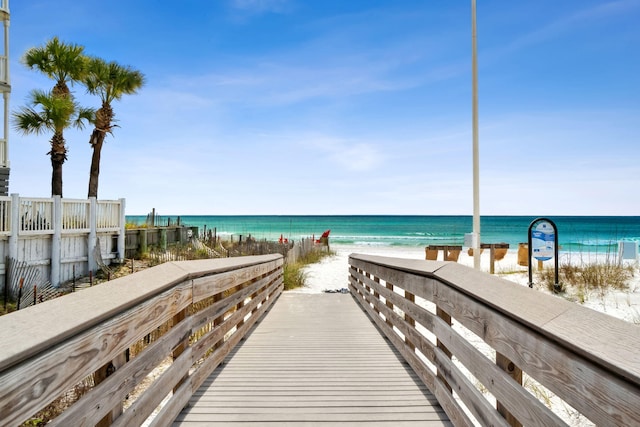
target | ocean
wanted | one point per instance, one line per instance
(575, 233)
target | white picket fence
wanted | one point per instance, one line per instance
(58, 235)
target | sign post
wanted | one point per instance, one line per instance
(543, 245)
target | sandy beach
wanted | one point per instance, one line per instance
(332, 274)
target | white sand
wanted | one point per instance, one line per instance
(332, 274)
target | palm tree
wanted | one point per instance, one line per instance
(62, 62)
(110, 81)
(65, 64)
(56, 114)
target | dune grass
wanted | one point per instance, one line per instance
(294, 275)
(584, 278)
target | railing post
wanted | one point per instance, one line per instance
(376, 295)
(15, 226)
(447, 318)
(390, 305)
(179, 317)
(516, 373)
(361, 271)
(99, 376)
(412, 299)
(366, 287)
(254, 296)
(91, 240)
(240, 304)
(56, 241)
(123, 232)
(218, 320)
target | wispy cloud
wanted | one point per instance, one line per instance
(273, 83)
(294, 77)
(261, 6)
(568, 23)
(355, 157)
(353, 54)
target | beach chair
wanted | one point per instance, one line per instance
(324, 238)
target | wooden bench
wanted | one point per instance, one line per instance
(494, 255)
(497, 251)
(450, 252)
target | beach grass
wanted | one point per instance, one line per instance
(587, 277)
(294, 274)
(6, 307)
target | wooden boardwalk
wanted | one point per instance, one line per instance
(315, 359)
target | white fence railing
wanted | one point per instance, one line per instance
(36, 216)
(109, 215)
(61, 236)
(75, 215)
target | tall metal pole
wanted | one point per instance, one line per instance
(476, 159)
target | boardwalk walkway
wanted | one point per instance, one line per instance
(315, 359)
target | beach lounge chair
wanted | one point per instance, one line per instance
(324, 238)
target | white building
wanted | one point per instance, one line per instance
(5, 88)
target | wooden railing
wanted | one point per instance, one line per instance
(471, 337)
(184, 315)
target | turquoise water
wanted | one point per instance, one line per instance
(575, 233)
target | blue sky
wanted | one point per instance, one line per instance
(349, 107)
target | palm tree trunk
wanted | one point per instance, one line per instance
(97, 138)
(56, 178)
(58, 155)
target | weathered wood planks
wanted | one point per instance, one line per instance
(588, 359)
(52, 346)
(313, 359)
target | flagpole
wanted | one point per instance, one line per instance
(476, 160)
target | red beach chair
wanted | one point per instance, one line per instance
(324, 237)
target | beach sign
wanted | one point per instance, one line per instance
(543, 239)
(543, 245)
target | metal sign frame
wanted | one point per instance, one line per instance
(555, 250)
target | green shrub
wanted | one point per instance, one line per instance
(133, 226)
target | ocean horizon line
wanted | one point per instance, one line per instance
(386, 215)
(595, 232)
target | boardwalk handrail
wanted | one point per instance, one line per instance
(196, 312)
(586, 358)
